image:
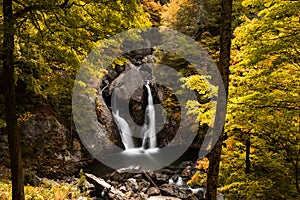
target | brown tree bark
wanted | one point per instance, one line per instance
(223, 65)
(10, 102)
(248, 147)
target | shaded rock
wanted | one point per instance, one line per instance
(4, 151)
(153, 191)
(162, 198)
(45, 142)
(175, 191)
(106, 121)
(161, 178)
(126, 84)
(99, 183)
(124, 173)
(117, 195)
(185, 164)
(167, 171)
(144, 185)
(187, 172)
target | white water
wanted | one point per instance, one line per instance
(125, 131)
(148, 129)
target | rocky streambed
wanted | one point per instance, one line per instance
(169, 183)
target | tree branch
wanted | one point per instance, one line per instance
(29, 9)
(40, 7)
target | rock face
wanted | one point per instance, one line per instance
(4, 154)
(46, 147)
(45, 142)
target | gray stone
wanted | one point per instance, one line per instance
(153, 191)
(162, 198)
(126, 84)
(175, 191)
(131, 184)
(124, 173)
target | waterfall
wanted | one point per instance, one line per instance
(149, 128)
(125, 131)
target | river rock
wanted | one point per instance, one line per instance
(162, 198)
(161, 178)
(153, 191)
(175, 191)
(131, 184)
(124, 173)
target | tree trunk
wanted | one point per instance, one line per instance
(297, 173)
(248, 146)
(224, 63)
(10, 102)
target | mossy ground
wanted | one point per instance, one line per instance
(45, 191)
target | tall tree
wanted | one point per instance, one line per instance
(264, 102)
(223, 65)
(43, 46)
(51, 40)
(10, 102)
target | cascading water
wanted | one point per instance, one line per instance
(148, 130)
(125, 131)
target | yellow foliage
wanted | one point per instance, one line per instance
(203, 164)
(46, 191)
